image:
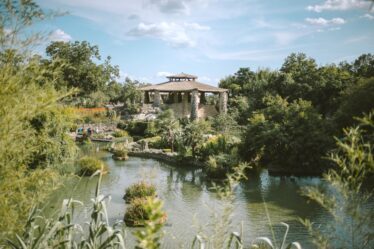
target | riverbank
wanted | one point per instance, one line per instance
(170, 158)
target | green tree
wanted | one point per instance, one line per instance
(77, 67)
(34, 145)
(292, 135)
(356, 100)
(347, 195)
(169, 127)
(131, 95)
(194, 134)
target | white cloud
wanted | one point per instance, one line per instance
(325, 22)
(368, 16)
(195, 26)
(60, 35)
(339, 5)
(172, 33)
(163, 74)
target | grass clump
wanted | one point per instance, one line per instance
(120, 154)
(89, 165)
(139, 190)
(140, 212)
(136, 214)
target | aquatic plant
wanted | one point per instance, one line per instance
(62, 232)
(347, 195)
(136, 214)
(139, 190)
(89, 165)
(149, 237)
(120, 154)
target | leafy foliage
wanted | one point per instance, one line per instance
(34, 146)
(292, 135)
(346, 200)
(139, 190)
(62, 232)
(89, 165)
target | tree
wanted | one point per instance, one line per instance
(356, 100)
(75, 62)
(346, 196)
(169, 127)
(363, 66)
(194, 134)
(292, 134)
(34, 145)
(131, 95)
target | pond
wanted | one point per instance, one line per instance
(191, 204)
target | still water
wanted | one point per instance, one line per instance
(191, 204)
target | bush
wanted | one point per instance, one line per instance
(120, 154)
(219, 165)
(139, 190)
(155, 142)
(120, 133)
(216, 145)
(121, 125)
(137, 128)
(89, 165)
(139, 213)
(136, 214)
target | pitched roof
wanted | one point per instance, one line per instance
(182, 86)
(182, 76)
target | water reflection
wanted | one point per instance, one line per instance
(187, 197)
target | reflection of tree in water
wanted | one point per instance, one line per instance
(280, 191)
(191, 188)
(284, 203)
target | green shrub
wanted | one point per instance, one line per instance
(141, 212)
(120, 154)
(120, 133)
(122, 125)
(217, 166)
(136, 214)
(137, 128)
(139, 190)
(89, 165)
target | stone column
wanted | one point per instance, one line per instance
(195, 104)
(184, 103)
(157, 99)
(143, 98)
(223, 102)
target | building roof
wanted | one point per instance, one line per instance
(183, 86)
(181, 76)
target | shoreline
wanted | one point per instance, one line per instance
(175, 160)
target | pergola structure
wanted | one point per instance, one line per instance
(186, 96)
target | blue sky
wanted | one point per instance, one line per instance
(149, 39)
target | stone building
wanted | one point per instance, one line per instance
(185, 96)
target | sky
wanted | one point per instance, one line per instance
(149, 39)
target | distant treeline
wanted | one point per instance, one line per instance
(293, 114)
